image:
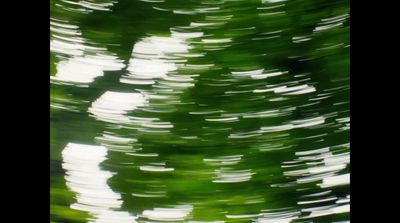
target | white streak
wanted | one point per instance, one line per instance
(156, 169)
(225, 175)
(179, 213)
(333, 181)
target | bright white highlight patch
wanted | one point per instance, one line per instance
(242, 216)
(333, 181)
(160, 46)
(89, 5)
(272, 1)
(156, 169)
(143, 68)
(204, 24)
(295, 90)
(278, 216)
(85, 62)
(113, 106)
(178, 213)
(257, 74)
(85, 69)
(224, 40)
(85, 177)
(302, 123)
(223, 160)
(66, 38)
(226, 175)
(154, 57)
(229, 119)
(327, 210)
